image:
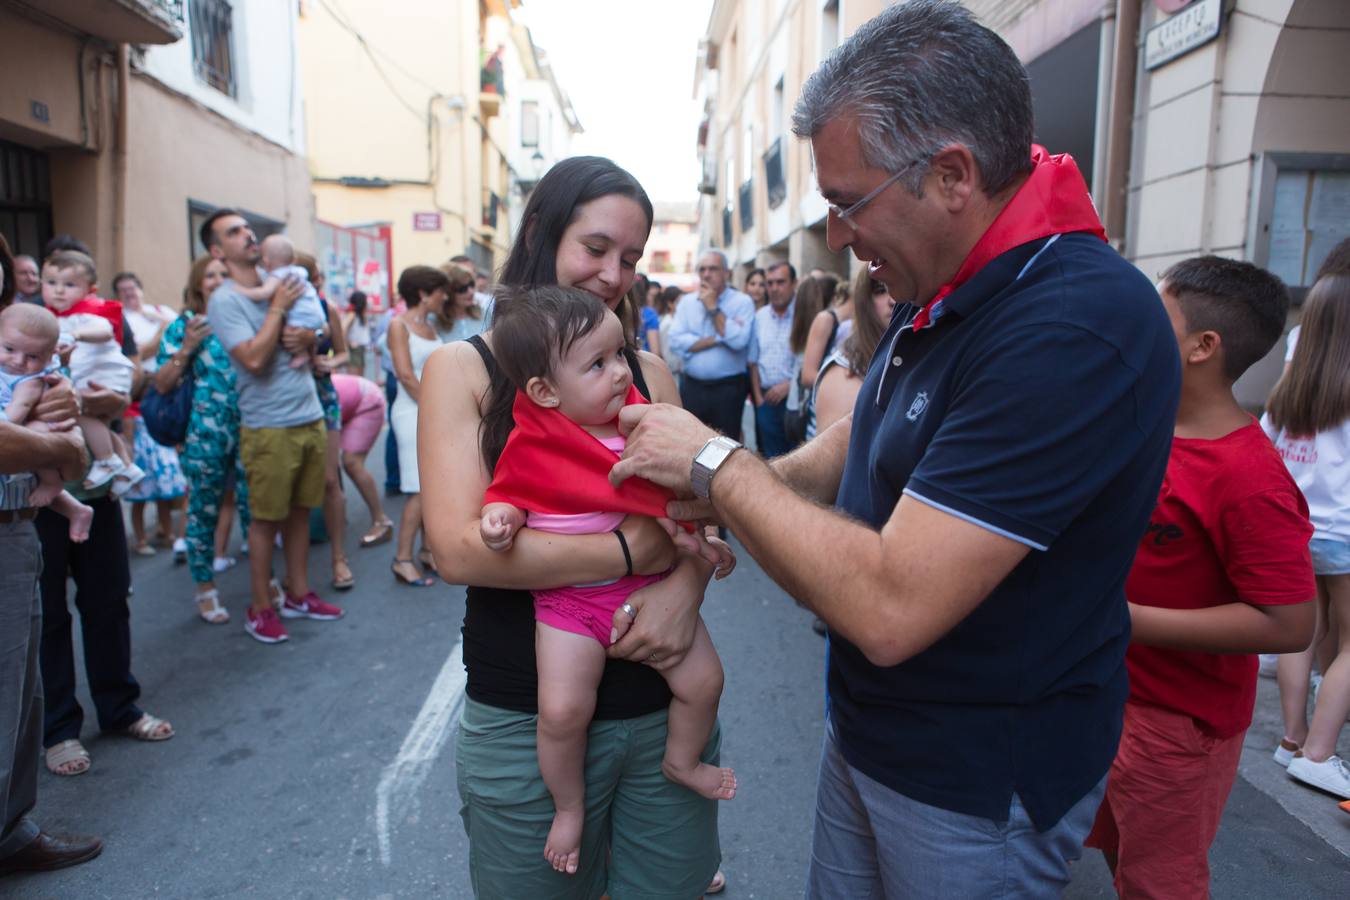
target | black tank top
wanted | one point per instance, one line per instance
(499, 631)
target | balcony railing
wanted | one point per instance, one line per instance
(773, 173)
(119, 21)
(745, 200)
(728, 233)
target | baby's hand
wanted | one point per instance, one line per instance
(499, 525)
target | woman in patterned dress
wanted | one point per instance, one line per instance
(210, 457)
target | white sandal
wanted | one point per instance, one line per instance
(215, 614)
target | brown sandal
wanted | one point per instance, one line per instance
(380, 533)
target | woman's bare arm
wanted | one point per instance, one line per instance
(400, 354)
(816, 339)
(454, 478)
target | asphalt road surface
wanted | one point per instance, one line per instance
(324, 767)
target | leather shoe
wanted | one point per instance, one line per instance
(50, 851)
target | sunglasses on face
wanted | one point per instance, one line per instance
(463, 289)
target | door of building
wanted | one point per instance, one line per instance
(25, 198)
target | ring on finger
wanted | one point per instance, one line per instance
(652, 658)
(628, 608)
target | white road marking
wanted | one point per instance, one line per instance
(402, 778)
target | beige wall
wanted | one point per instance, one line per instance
(45, 62)
(180, 151)
(360, 125)
(176, 151)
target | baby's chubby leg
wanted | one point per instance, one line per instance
(98, 436)
(570, 666)
(697, 685)
(81, 517)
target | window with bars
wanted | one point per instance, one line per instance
(213, 44)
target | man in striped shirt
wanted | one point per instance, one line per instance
(24, 847)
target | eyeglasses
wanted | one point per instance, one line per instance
(847, 215)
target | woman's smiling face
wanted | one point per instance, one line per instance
(600, 249)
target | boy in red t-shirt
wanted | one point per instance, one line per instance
(1222, 573)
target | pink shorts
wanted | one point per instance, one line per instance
(588, 610)
(360, 431)
(1164, 799)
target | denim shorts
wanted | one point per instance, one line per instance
(1330, 556)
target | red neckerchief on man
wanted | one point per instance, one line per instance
(552, 465)
(91, 304)
(1053, 200)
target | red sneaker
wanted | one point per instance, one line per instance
(265, 626)
(309, 607)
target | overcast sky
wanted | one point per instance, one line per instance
(628, 66)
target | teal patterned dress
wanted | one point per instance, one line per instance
(210, 457)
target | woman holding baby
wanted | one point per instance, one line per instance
(585, 226)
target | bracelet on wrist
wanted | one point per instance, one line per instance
(627, 555)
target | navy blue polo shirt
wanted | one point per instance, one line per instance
(1040, 405)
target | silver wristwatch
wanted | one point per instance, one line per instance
(707, 462)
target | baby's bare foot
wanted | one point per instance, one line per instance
(563, 847)
(80, 521)
(709, 781)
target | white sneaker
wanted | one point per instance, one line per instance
(1284, 752)
(1269, 664)
(1331, 775)
(180, 550)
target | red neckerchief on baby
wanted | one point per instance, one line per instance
(92, 305)
(1053, 200)
(552, 465)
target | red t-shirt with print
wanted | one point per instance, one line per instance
(1230, 525)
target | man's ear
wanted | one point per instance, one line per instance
(216, 251)
(541, 392)
(958, 176)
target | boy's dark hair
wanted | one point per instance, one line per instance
(74, 259)
(792, 270)
(65, 242)
(1243, 303)
(417, 280)
(533, 328)
(208, 230)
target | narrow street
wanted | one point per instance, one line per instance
(325, 768)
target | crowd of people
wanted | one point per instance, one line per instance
(1006, 472)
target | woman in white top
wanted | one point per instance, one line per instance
(412, 339)
(356, 327)
(1308, 418)
(164, 484)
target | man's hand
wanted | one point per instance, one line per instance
(708, 297)
(297, 340)
(290, 290)
(778, 393)
(103, 403)
(59, 405)
(68, 453)
(662, 443)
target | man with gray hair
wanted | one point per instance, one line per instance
(711, 333)
(990, 486)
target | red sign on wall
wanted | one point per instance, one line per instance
(427, 221)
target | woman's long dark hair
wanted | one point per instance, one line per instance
(6, 273)
(552, 206)
(357, 302)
